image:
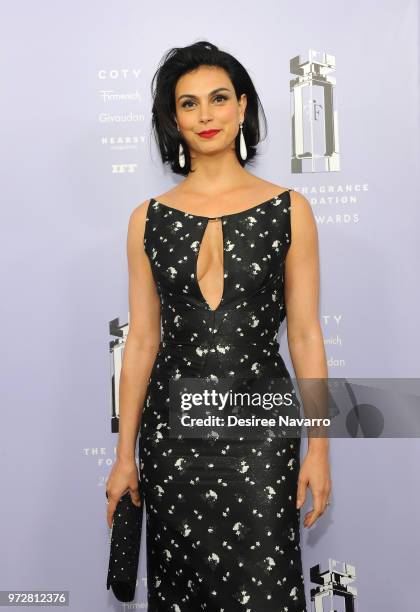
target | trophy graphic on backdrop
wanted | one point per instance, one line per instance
(334, 591)
(314, 119)
(116, 349)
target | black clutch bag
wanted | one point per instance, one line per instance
(125, 540)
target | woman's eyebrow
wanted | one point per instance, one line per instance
(210, 94)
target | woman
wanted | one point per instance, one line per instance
(218, 258)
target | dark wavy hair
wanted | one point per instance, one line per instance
(177, 62)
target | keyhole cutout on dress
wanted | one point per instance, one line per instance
(210, 264)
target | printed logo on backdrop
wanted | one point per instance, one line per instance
(315, 137)
(314, 114)
(103, 456)
(123, 143)
(335, 591)
(111, 92)
(333, 339)
(119, 333)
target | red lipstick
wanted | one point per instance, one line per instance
(208, 133)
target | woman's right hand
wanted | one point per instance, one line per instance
(123, 477)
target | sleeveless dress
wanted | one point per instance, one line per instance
(222, 527)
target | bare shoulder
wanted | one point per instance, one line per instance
(139, 214)
(136, 229)
(299, 204)
(300, 208)
(302, 219)
(137, 220)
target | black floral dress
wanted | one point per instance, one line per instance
(222, 528)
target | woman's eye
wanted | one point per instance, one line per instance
(219, 97)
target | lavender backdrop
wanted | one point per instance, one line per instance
(75, 100)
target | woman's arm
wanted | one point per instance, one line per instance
(305, 340)
(304, 334)
(143, 338)
(141, 347)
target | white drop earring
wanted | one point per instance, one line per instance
(242, 145)
(181, 155)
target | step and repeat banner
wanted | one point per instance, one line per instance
(340, 89)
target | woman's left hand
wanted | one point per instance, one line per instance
(315, 472)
